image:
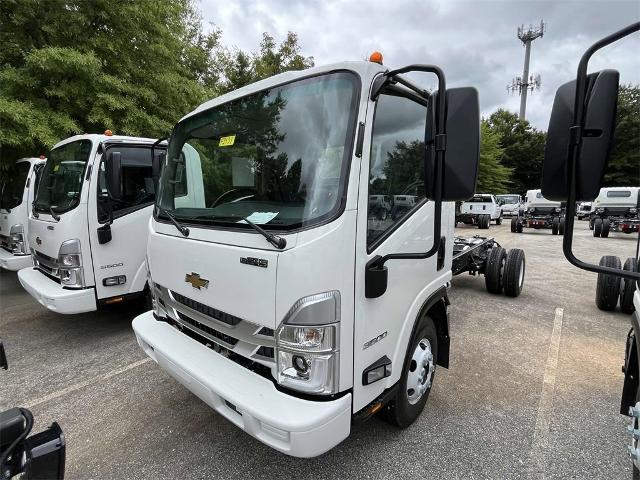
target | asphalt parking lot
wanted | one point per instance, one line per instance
(533, 389)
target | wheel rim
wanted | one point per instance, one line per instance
(420, 372)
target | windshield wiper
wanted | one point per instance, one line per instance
(181, 228)
(55, 216)
(274, 240)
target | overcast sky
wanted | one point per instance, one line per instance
(473, 41)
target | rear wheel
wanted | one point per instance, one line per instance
(561, 226)
(597, 227)
(513, 274)
(417, 375)
(608, 286)
(628, 286)
(499, 220)
(555, 226)
(606, 227)
(494, 269)
(514, 225)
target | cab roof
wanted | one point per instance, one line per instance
(365, 70)
(97, 138)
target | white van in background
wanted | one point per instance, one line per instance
(510, 204)
(87, 232)
(17, 192)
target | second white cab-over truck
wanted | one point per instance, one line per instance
(280, 298)
(16, 194)
(87, 234)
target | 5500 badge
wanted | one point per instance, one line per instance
(112, 265)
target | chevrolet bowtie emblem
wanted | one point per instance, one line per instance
(195, 280)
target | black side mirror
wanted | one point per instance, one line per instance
(599, 114)
(578, 143)
(462, 154)
(114, 175)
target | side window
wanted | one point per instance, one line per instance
(396, 165)
(137, 183)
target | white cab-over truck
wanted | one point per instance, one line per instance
(87, 234)
(480, 210)
(16, 194)
(615, 209)
(539, 212)
(510, 203)
(280, 298)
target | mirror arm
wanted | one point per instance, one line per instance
(574, 147)
(440, 141)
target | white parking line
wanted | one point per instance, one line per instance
(86, 383)
(545, 405)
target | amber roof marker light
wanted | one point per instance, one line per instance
(376, 57)
(108, 133)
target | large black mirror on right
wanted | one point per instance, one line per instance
(579, 137)
(599, 112)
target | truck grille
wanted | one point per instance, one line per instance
(45, 263)
(206, 310)
(239, 337)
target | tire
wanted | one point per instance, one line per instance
(494, 270)
(499, 220)
(519, 227)
(513, 274)
(597, 227)
(628, 286)
(606, 227)
(555, 226)
(402, 411)
(608, 286)
(382, 214)
(561, 226)
(487, 221)
(514, 225)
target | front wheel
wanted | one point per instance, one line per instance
(499, 220)
(606, 227)
(561, 226)
(555, 226)
(514, 224)
(418, 371)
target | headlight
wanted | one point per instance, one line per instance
(600, 210)
(307, 345)
(633, 210)
(17, 245)
(70, 264)
(531, 209)
(558, 209)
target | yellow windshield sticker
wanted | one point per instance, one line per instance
(227, 141)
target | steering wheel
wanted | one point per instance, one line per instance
(230, 192)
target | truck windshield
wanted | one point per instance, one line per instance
(479, 199)
(61, 180)
(12, 188)
(278, 157)
(508, 199)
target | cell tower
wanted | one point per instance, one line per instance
(527, 82)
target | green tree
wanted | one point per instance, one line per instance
(237, 68)
(493, 176)
(73, 66)
(624, 162)
(523, 149)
